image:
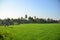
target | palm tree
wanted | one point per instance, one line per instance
(26, 16)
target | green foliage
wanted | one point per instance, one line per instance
(5, 34)
(26, 16)
(33, 31)
(8, 21)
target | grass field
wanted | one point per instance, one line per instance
(32, 31)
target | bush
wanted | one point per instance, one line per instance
(5, 36)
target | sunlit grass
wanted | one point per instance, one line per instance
(33, 31)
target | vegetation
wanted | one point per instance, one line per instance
(31, 32)
(5, 34)
(27, 19)
(29, 28)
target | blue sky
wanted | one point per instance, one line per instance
(39, 8)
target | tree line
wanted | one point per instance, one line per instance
(8, 21)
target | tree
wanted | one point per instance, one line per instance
(22, 18)
(0, 21)
(30, 19)
(18, 21)
(5, 22)
(12, 21)
(8, 21)
(34, 17)
(42, 20)
(49, 20)
(58, 21)
(26, 16)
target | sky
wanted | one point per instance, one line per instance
(38, 8)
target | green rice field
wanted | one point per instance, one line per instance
(32, 32)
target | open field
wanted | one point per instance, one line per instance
(32, 31)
